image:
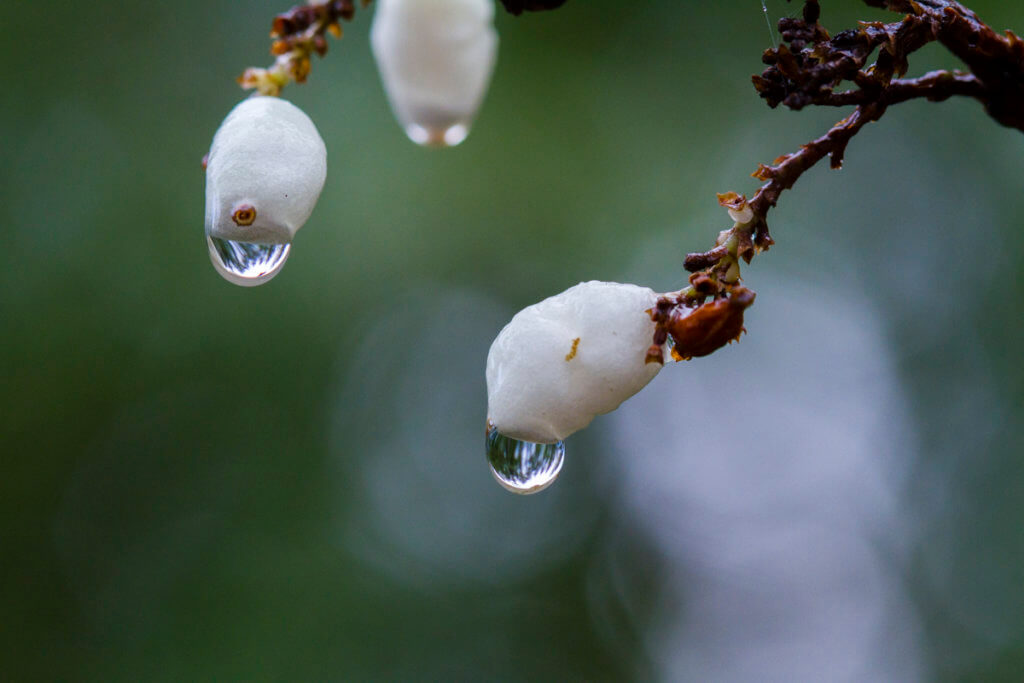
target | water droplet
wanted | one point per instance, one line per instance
(247, 264)
(436, 136)
(523, 466)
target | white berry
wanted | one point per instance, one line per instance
(563, 361)
(264, 172)
(435, 59)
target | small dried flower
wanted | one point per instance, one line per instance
(709, 327)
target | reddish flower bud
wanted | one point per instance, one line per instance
(709, 327)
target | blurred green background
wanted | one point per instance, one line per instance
(204, 482)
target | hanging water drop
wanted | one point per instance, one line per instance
(523, 467)
(247, 264)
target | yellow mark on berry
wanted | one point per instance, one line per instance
(572, 352)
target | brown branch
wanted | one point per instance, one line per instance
(934, 86)
(298, 34)
(807, 69)
(789, 169)
(997, 60)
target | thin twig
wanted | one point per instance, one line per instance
(298, 34)
(784, 175)
(807, 69)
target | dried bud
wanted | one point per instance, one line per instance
(251, 78)
(763, 173)
(518, 6)
(710, 326)
(282, 26)
(345, 9)
(320, 45)
(736, 205)
(303, 16)
(300, 68)
(704, 284)
(262, 81)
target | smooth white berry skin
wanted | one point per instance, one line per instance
(268, 155)
(539, 390)
(435, 59)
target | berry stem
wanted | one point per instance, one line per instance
(807, 69)
(298, 34)
(811, 64)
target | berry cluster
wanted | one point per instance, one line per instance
(267, 165)
(579, 354)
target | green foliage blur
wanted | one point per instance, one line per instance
(187, 489)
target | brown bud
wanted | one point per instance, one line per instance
(763, 172)
(709, 327)
(812, 11)
(300, 69)
(303, 16)
(704, 284)
(282, 26)
(517, 6)
(762, 238)
(731, 200)
(250, 78)
(345, 9)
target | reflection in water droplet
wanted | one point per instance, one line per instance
(433, 136)
(246, 264)
(523, 466)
